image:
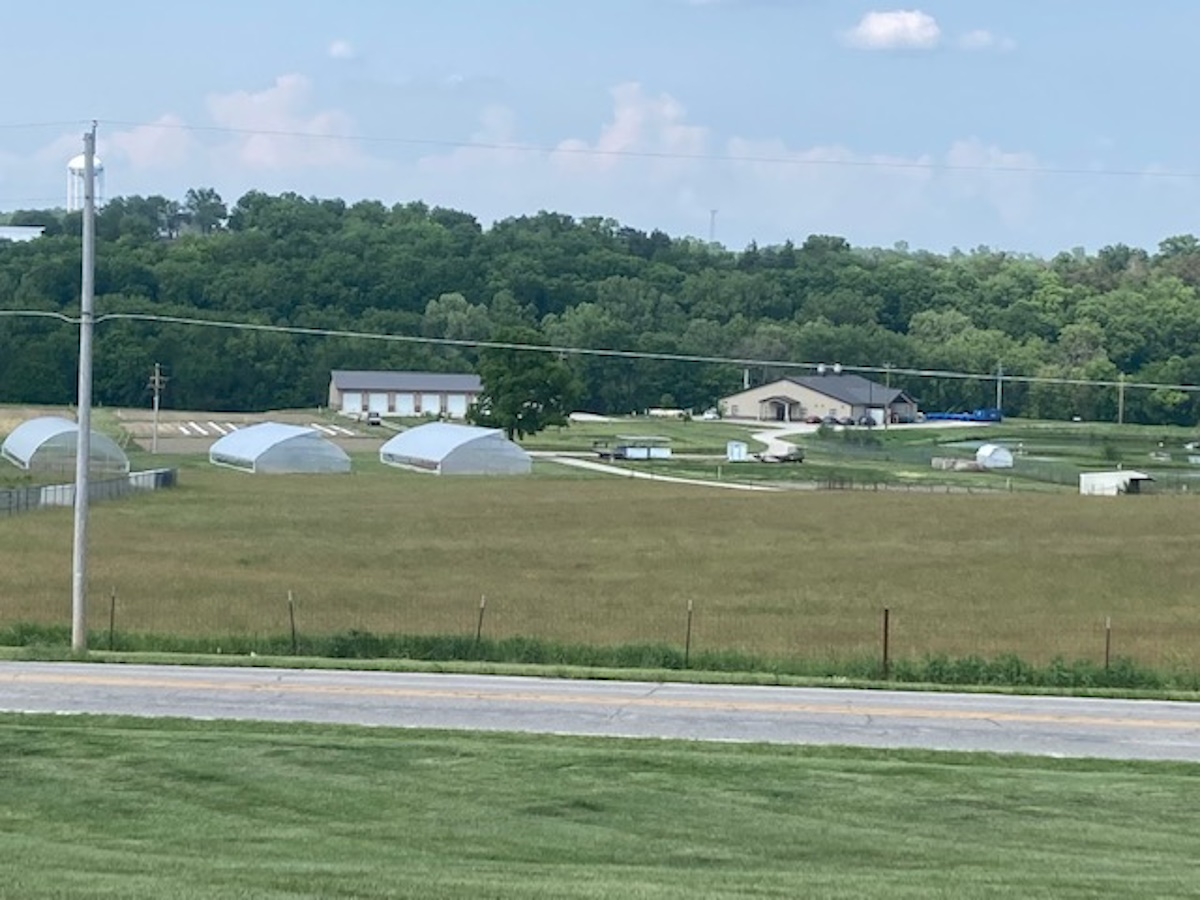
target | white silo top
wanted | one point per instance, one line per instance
(79, 164)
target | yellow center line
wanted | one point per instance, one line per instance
(834, 708)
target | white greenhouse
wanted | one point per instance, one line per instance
(273, 448)
(449, 449)
(48, 444)
(993, 456)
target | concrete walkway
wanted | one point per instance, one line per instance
(593, 466)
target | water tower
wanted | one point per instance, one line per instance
(76, 182)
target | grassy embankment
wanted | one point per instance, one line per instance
(107, 807)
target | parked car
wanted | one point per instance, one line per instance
(374, 418)
(812, 420)
(847, 420)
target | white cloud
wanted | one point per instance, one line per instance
(900, 29)
(342, 49)
(491, 146)
(280, 131)
(164, 143)
(1004, 180)
(982, 39)
(640, 124)
(651, 167)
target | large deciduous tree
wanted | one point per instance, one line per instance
(524, 391)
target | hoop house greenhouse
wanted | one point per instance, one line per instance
(448, 449)
(48, 445)
(273, 448)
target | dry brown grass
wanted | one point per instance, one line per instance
(614, 561)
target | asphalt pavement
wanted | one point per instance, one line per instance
(1053, 726)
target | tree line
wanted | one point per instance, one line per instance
(416, 270)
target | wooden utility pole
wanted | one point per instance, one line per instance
(157, 383)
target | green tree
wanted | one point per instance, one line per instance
(205, 209)
(524, 391)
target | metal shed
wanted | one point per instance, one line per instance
(274, 448)
(49, 444)
(448, 449)
(1112, 484)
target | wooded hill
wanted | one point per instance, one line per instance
(415, 270)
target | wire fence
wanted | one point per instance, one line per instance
(29, 498)
(978, 646)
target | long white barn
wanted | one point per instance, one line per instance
(437, 394)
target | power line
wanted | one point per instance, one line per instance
(573, 150)
(17, 126)
(560, 350)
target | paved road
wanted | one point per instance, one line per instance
(1118, 729)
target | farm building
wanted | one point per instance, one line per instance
(449, 449)
(49, 443)
(1112, 484)
(819, 396)
(20, 234)
(275, 449)
(437, 394)
(993, 456)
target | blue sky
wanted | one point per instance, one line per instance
(1026, 125)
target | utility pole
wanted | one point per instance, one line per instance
(83, 449)
(157, 383)
(887, 381)
(1121, 398)
(999, 385)
(712, 226)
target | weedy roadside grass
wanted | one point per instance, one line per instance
(108, 807)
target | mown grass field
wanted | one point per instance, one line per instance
(595, 560)
(109, 807)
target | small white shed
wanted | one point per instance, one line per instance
(1112, 484)
(736, 451)
(994, 456)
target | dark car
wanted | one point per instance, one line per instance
(846, 420)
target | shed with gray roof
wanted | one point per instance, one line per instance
(435, 394)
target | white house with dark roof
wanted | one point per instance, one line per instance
(798, 398)
(435, 394)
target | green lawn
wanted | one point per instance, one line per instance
(109, 807)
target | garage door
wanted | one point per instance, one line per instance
(377, 403)
(431, 404)
(405, 405)
(456, 406)
(352, 402)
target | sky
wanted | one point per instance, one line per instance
(1023, 125)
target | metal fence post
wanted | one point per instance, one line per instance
(687, 640)
(887, 631)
